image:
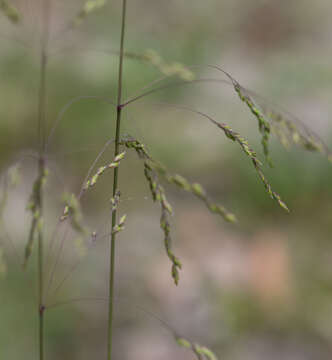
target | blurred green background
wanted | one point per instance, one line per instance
(261, 289)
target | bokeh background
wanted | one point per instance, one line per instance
(261, 289)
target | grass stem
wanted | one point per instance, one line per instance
(115, 184)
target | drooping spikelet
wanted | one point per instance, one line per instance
(201, 352)
(114, 164)
(231, 134)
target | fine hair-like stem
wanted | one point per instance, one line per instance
(115, 184)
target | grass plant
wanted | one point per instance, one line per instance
(270, 119)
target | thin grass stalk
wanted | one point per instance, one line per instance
(41, 164)
(115, 183)
(41, 306)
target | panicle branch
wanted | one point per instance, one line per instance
(153, 171)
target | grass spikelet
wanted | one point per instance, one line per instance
(198, 190)
(231, 134)
(166, 211)
(289, 130)
(263, 125)
(114, 164)
(201, 352)
(10, 11)
(34, 208)
(115, 201)
(158, 194)
(72, 210)
(120, 226)
(89, 7)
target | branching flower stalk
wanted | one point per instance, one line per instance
(115, 183)
(153, 171)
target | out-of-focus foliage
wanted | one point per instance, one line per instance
(9, 11)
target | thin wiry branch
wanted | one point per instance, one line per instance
(94, 163)
(66, 108)
(95, 239)
(201, 352)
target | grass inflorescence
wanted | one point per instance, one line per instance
(154, 173)
(201, 352)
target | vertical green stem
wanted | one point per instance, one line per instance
(41, 307)
(41, 163)
(115, 184)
